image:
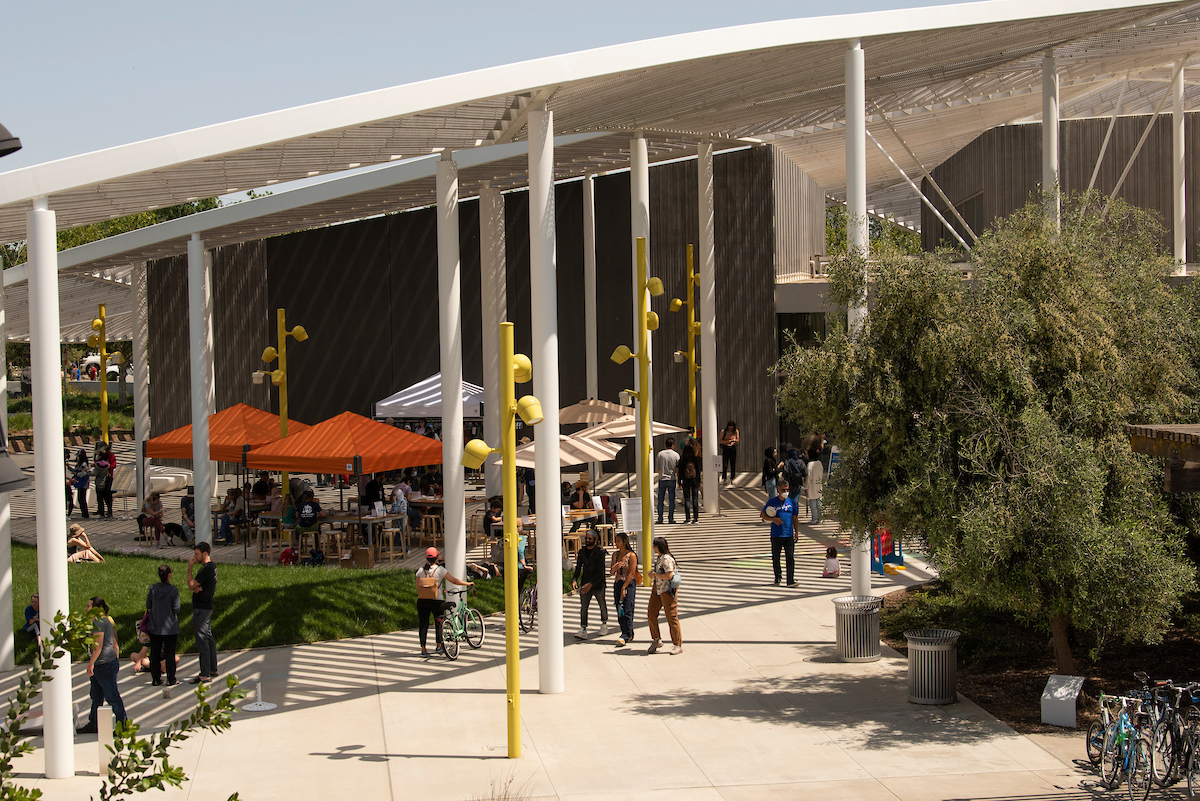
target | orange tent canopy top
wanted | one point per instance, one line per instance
(228, 430)
(330, 447)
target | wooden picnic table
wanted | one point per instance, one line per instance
(350, 519)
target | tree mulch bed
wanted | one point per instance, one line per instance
(1011, 687)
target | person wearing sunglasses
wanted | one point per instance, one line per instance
(590, 570)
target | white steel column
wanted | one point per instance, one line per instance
(59, 729)
(543, 292)
(141, 376)
(1050, 136)
(591, 367)
(7, 645)
(856, 227)
(639, 219)
(1178, 170)
(706, 263)
(494, 281)
(450, 328)
(200, 337)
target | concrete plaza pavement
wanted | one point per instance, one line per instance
(756, 707)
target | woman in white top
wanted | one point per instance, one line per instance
(812, 487)
(663, 597)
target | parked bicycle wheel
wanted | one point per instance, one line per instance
(450, 637)
(1096, 735)
(1112, 763)
(473, 627)
(1162, 753)
(1139, 771)
(1192, 773)
(528, 615)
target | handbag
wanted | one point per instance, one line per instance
(676, 578)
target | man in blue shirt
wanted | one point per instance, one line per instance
(780, 512)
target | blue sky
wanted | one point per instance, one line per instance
(86, 76)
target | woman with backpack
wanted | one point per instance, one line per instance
(663, 589)
(430, 599)
(105, 463)
(689, 482)
(795, 470)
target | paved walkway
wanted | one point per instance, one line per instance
(756, 707)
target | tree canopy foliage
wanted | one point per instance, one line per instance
(985, 414)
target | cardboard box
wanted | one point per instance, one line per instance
(360, 557)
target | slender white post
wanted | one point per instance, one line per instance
(543, 292)
(141, 375)
(450, 329)
(589, 298)
(1178, 170)
(493, 279)
(200, 326)
(856, 227)
(7, 646)
(639, 218)
(706, 263)
(1050, 136)
(58, 728)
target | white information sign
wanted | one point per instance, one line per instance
(631, 514)
(716, 464)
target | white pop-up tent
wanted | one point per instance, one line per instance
(424, 399)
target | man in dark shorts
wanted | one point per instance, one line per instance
(203, 587)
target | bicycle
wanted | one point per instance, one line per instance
(1175, 738)
(527, 615)
(461, 623)
(1126, 754)
(1097, 733)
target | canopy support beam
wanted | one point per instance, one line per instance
(203, 390)
(706, 263)
(1179, 170)
(543, 297)
(592, 378)
(450, 319)
(639, 213)
(141, 377)
(1050, 181)
(494, 280)
(7, 644)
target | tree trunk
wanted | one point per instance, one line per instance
(1060, 634)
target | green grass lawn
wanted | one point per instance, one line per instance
(256, 606)
(81, 413)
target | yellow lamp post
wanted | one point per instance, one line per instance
(693, 331)
(99, 342)
(520, 370)
(279, 376)
(647, 322)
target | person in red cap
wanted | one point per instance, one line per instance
(430, 600)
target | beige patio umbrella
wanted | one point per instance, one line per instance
(625, 427)
(590, 411)
(572, 450)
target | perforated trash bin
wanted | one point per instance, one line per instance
(932, 666)
(857, 628)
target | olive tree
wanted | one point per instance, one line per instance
(982, 405)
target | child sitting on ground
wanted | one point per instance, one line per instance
(833, 568)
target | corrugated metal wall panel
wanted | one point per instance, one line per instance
(799, 219)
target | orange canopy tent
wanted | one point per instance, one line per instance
(228, 431)
(334, 445)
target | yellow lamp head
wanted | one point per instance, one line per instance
(97, 324)
(117, 358)
(651, 321)
(93, 342)
(269, 354)
(298, 333)
(522, 368)
(676, 304)
(622, 354)
(475, 453)
(696, 327)
(655, 286)
(529, 409)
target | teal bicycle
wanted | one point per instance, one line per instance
(1126, 753)
(461, 624)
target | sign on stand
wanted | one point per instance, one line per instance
(631, 514)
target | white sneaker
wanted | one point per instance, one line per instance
(603, 629)
(620, 642)
(581, 634)
(675, 649)
(654, 646)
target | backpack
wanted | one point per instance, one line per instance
(689, 469)
(288, 556)
(795, 471)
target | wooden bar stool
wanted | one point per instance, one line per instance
(572, 543)
(607, 534)
(391, 530)
(268, 539)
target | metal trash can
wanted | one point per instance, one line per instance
(932, 666)
(857, 628)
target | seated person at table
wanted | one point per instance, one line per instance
(287, 512)
(262, 487)
(580, 500)
(493, 519)
(276, 500)
(152, 516)
(187, 514)
(372, 493)
(308, 513)
(233, 511)
(398, 504)
(79, 547)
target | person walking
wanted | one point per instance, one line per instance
(688, 470)
(795, 470)
(105, 464)
(203, 587)
(814, 486)
(162, 623)
(729, 442)
(69, 479)
(663, 596)
(82, 478)
(772, 467)
(103, 667)
(589, 568)
(666, 463)
(780, 512)
(624, 571)
(431, 600)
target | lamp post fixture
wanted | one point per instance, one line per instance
(514, 369)
(693, 332)
(647, 322)
(279, 376)
(99, 341)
